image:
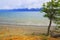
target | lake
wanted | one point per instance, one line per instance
(23, 18)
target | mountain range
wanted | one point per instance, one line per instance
(23, 9)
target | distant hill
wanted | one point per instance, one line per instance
(25, 9)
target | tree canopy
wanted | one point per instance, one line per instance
(52, 11)
(52, 8)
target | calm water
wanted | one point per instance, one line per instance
(22, 18)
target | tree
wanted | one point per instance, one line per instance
(57, 20)
(51, 9)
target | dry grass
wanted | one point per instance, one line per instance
(19, 33)
(29, 37)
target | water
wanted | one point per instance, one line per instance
(27, 18)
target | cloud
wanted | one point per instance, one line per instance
(13, 4)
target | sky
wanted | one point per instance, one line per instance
(14, 4)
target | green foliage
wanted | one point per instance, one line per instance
(52, 10)
(33, 33)
(58, 26)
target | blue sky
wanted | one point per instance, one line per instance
(14, 4)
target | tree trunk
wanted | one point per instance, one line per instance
(49, 27)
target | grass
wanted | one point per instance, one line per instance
(18, 34)
(27, 37)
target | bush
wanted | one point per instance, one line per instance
(58, 26)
